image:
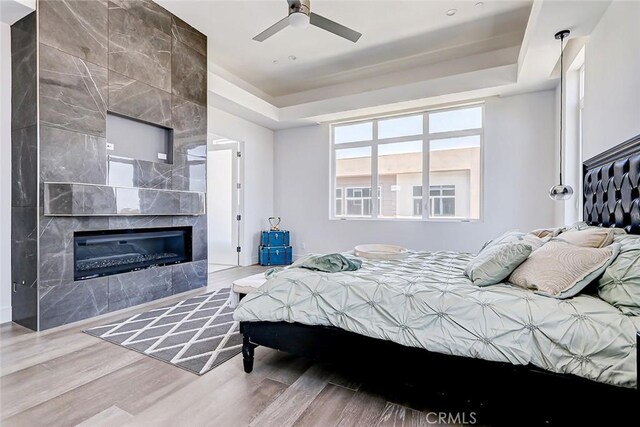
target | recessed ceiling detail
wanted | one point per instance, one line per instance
(411, 54)
(397, 35)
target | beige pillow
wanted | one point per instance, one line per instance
(589, 238)
(562, 270)
(546, 232)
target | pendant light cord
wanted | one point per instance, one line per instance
(561, 99)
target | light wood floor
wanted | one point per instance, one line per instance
(64, 377)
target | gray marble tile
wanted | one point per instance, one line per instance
(24, 245)
(185, 33)
(128, 201)
(147, 11)
(199, 234)
(24, 67)
(56, 246)
(138, 100)
(97, 200)
(189, 173)
(78, 27)
(188, 73)
(189, 276)
(24, 167)
(138, 50)
(189, 127)
(159, 202)
(79, 199)
(24, 306)
(125, 172)
(192, 203)
(72, 301)
(72, 157)
(58, 199)
(68, 199)
(138, 287)
(73, 93)
(129, 222)
(24, 266)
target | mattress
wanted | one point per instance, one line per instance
(425, 300)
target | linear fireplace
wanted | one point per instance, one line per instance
(107, 252)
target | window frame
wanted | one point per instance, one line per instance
(440, 197)
(344, 199)
(426, 139)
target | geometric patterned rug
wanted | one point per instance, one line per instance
(196, 334)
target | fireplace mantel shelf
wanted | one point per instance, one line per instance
(76, 199)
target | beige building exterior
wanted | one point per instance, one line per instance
(454, 182)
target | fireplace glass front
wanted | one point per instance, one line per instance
(107, 252)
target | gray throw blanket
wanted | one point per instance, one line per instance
(331, 263)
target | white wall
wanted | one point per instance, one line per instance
(612, 82)
(258, 161)
(518, 172)
(5, 173)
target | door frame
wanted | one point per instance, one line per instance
(236, 147)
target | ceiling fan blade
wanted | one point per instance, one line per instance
(334, 27)
(280, 25)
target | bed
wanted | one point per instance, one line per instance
(424, 304)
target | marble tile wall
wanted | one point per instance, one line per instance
(138, 50)
(24, 172)
(72, 157)
(125, 172)
(77, 27)
(131, 57)
(139, 100)
(86, 200)
(23, 73)
(188, 73)
(73, 92)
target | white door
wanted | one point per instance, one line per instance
(223, 204)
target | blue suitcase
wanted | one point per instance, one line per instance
(275, 255)
(275, 238)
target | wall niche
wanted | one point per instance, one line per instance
(139, 140)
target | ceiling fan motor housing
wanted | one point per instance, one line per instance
(300, 6)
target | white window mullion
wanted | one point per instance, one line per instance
(425, 166)
(333, 183)
(374, 173)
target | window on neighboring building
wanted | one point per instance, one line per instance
(338, 205)
(393, 154)
(355, 201)
(417, 200)
(442, 200)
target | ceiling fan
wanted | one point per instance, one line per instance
(300, 16)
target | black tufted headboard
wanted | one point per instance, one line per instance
(611, 187)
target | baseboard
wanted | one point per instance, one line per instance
(5, 314)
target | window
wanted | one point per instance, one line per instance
(438, 150)
(442, 200)
(417, 200)
(356, 200)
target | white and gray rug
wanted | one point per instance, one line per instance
(196, 334)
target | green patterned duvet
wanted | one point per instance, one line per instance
(425, 300)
